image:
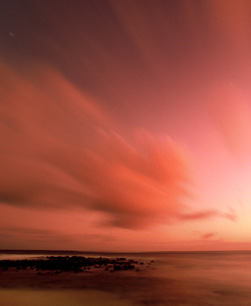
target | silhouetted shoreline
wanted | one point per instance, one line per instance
(184, 279)
(59, 264)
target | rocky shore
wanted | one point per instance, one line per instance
(77, 264)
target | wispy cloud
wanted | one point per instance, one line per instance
(206, 214)
(208, 235)
(60, 149)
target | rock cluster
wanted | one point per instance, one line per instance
(59, 264)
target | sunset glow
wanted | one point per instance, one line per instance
(125, 125)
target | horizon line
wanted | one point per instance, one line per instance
(43, 251)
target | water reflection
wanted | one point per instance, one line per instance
(208, 278)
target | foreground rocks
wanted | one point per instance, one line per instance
(60, 264)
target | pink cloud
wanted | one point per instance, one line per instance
(206, 214)
(59, 149)
(199, 215)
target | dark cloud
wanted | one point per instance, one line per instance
(206, 214)
(208, 235)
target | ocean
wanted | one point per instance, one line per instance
(165, 278)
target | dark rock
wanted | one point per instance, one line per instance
(60, 264)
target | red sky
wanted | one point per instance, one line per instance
(125, 125)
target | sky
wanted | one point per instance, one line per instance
(125, 125)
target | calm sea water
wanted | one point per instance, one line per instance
(190, 278)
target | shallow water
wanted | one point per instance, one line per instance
(35, 297)
(18, 256)
(192, 278)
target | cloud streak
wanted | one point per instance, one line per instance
(60, 149)
(230, 114)
(210, 235)
(206, 214)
